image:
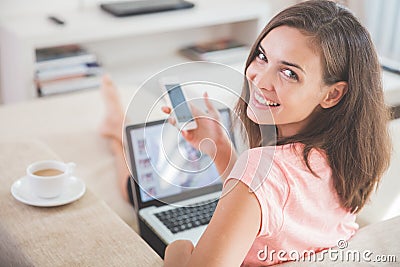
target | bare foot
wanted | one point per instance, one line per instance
(114, 119)
(112, 130)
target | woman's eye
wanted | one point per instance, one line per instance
(260, 56)
(290, 74)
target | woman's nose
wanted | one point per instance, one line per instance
(262, 79)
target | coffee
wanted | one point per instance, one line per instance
(48, 172)
(47, 177)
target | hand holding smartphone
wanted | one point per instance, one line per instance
(180, 107)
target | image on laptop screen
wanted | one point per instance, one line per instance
(167, 165)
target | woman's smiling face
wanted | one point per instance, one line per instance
(285, 81)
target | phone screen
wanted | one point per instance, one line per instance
(178, 102)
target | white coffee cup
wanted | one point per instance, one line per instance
(47, 178)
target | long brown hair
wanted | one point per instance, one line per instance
(354, 133)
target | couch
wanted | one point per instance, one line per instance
(69, 125)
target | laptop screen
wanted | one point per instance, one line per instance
(164, 164)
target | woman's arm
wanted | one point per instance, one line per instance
(225, 158)
(229, 235)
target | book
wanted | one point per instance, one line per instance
(69, 85)
(64, 69)
(67, 71)
(68, 55)
(222, 51)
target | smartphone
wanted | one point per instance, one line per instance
(180, 107)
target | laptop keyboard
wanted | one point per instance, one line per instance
(185, 218)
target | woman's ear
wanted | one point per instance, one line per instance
(334, 94)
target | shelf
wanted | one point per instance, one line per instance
(92, 24)
(130, 48)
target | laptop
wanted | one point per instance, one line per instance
(175, 187)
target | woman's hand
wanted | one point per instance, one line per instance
(210, 137)
(209, 133)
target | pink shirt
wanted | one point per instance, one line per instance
(299, 210)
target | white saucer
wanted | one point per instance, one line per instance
(75, 188)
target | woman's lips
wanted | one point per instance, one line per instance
(260, 100)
